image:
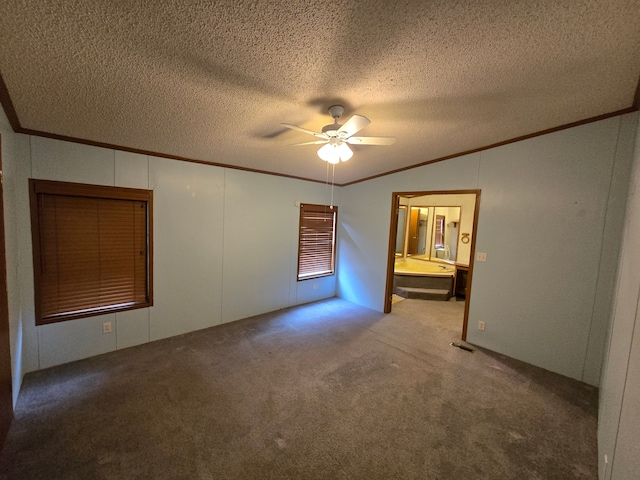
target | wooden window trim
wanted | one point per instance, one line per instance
(48, 187)
(312, 208)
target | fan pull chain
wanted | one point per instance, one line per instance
(326, 182)
(333, 176)
(326, 186)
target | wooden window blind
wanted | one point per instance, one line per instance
(92, 249)
(317, 241)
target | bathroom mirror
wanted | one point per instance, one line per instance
(428, 232)
(402, 219)
(444, 233)
(418, 232)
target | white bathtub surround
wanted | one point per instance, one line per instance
(409, 266)
(424, 280)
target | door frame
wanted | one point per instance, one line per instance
(391, 254)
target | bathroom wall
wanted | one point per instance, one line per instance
(550, 223)
(225, 247)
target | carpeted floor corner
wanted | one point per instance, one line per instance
(328, 390)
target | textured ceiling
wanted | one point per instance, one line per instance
(211, 81)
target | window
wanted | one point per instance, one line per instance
(92, 249)
(317, 241)
(439, 236)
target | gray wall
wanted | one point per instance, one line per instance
(550, 220)
(225, 247)
(619, 419)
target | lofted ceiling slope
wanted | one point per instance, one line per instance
(212, 81)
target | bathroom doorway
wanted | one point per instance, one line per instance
(433, 231)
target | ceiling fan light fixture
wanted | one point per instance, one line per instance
(328, 153)
(345, 152)
(334, 152)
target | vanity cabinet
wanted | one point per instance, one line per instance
(460, 286)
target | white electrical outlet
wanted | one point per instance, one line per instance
(481, 257)
(480, 325)
(106, 327)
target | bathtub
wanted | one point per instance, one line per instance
(423, 279)
(409, 266)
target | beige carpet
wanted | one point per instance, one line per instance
(328, 390)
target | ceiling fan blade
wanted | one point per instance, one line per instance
(371, 140)
(354, 124)
(317, 142)
(310, 132)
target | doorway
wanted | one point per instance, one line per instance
(465, 233)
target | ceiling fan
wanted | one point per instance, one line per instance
(336, 137)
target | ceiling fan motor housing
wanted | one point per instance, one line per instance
(331, 130)
(336, 137)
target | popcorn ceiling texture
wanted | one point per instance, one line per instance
(212, 81)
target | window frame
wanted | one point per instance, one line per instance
(439, 227)
(50, 187)
(314, 208)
